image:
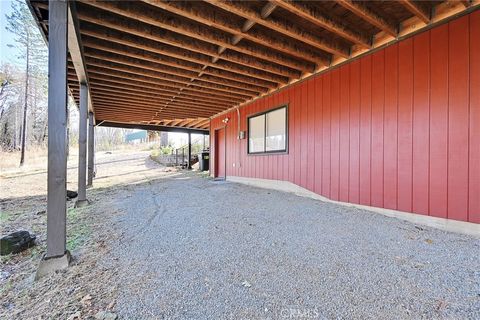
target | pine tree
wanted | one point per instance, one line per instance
(31, 46)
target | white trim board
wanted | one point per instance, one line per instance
(467, 228)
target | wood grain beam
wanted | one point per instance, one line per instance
(222, 22)
(194, 31)
(134, 94)
(157, 102)
(202, 124)
(290, 30)
(144, 126)
(119, 83)
(113, 107)
(155, 67)
(317, 18)
(178, 107)
(108, 67)
(96, 46)
(199, 56)
(416, 10)
(128, 76)
(369, 16)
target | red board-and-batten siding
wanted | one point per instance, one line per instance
(398, 129)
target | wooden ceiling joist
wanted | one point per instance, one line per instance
(113, 82)
(105, 52)
(416, 9)
(149, 32)
(110, 36)
(369, 16)
(183, 27)
(282, 27)
(157, 102)
(154, 68)
(303, 11)
(164, 109)
(129, 72)
(134, 109)
(136, 90)
(136, 95)
(155, 81)
(222, 22)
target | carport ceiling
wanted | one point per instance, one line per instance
(177, 63)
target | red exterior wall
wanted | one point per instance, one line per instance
(399, 128)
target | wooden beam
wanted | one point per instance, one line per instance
(151, 127)
(114, 82)
(194, 31)
(317, 18)
(116, 87)
(368, 16)
(290, 30)
(223, 22)
(416, 10)
(75, 48)
(157, 102)
(110, 73)
(136, 95)
(158, 106)
(57, 129)
(91, 148)
(105, 59)
(131, 105)
(82, 146)
(105, 67)
(135, 41)
(106, 109)
(106, 49)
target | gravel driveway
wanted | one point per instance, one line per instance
(194, 248)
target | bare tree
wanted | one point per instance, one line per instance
(32, 49)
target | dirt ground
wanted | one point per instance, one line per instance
(89, 285)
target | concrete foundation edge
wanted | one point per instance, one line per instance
(81, 203)
(51, 265)
(467, 228)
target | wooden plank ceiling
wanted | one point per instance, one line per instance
(177, 63)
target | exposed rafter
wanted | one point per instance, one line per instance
(369, 16)
(318, 19)
(281, 27)
(213, 19)
(416, 9)
(137, 12)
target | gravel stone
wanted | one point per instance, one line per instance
(191, 245)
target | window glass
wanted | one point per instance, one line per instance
(256, 135)
(267, 132)
(276, 130)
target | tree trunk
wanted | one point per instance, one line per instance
(25, 105)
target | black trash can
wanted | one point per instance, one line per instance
(204, 160)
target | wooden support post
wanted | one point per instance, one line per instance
(189, 166)
(91, 149)
(57, 256)
(82, 147)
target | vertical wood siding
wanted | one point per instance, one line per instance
(398, 129)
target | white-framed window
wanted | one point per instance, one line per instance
(267, 131)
